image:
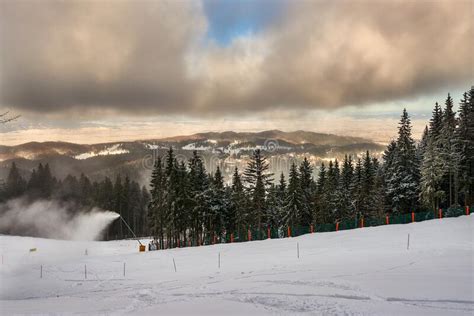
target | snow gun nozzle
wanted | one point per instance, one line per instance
(123, 220)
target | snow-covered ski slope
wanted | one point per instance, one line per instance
(365, 271)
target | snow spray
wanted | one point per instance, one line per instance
(53, 219)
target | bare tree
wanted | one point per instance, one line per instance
(5, 117)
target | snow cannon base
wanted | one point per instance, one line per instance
(141, 248)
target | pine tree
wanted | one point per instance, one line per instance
(15, 185)
(199, 197)
(403, 183)
(307, 189)
(281, 199)
(367, 202)
(357, 184)
(218, 206)
(436, 121)
(333, 199)
(464, 147)
(345, 188)
(258, 178)
(378, 193)
(294, 199)
(421, 148)
(321, 212)
(273, 206)
(445, 141)
(239, 203)
(430, 185)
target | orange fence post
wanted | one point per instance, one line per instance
(249, 235)
(440, 213)
(337, 226)
(289, 231)
(232, 237)
(362, 222)
(269, 233)
(312, 229)
(387, 221)
(179, 243)
(467, 210)
(412, 217)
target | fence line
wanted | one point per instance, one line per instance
(294, 231)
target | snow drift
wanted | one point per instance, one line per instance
(52, 219)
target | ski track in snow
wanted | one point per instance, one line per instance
(360, 272)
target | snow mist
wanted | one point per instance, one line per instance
(53, 219)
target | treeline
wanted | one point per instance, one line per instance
(188, 203)
(122, 196)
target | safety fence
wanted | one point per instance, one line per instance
(252, 234)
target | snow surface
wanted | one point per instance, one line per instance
(363, 272)
(112, 150)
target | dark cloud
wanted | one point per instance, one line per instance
(153, 56)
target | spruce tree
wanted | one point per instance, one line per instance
(199, 193)
(294, 199)
(357, 184)
(447, 154)
(403, 184)
(258, 178)
(15, 185)
(321, 211)
(464, 146)
(367, 202)
(333, 198)
(239, 203)
(307, 189)
(345, 188)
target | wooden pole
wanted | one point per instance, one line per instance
(124, 269)
(408, 242)
(174, 264)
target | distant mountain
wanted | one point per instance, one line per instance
(227, 149)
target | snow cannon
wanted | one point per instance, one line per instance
(141, 247)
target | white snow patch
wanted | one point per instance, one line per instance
(112, 150)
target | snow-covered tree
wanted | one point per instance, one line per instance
(294, 198)
(257, 178)
(307, 189)
(402, 183)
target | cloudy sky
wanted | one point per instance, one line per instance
(94, 71)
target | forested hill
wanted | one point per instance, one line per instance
(227, 149)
